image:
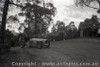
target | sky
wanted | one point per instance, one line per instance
(67, 11)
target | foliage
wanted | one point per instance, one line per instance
(31, 9)
(62, 32)
(90, 26)
(71, 30)
(13, 18)
(38, 17)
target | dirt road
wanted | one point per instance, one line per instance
(68, 53)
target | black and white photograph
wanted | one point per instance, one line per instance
(49, 33)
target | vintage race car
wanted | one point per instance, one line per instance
(38, 42)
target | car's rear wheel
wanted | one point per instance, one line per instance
(39, 45)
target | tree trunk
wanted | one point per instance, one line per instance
(3, 24)
(35, 23)
(81, 33)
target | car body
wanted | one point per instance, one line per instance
(38, 42)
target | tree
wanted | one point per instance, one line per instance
(61, 32)
(71, 30)
(53, 32)
(94, 25)
(38, 17)
(4, 17)
(25, 6)
(4, 21)
(89, 27)
(88, 3)
(60, 25)
(58, 30)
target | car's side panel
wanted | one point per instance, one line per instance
(37, 42)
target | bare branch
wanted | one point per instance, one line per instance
(87, 3)
(16, 4)
(91, 6)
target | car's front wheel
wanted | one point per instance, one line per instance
(48, 45)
